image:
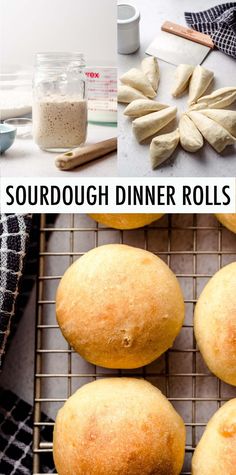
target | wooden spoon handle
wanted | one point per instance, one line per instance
(188, 33)
(79, 156)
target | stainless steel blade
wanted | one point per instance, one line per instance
(176, 50)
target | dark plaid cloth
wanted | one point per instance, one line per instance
(14, 237)
(18, 253)
(16, 435)
(219, 23)
(29, 276)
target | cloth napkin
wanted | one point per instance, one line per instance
(16, 437)
(14, 239)
(18, 263)
(219, 23)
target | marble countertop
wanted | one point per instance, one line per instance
(25, 158)
(133, 157)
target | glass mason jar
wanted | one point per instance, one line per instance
(59, 101)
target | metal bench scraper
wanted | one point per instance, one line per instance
(178, 44)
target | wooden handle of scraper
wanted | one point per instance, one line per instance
(82, 155)
(188, 33)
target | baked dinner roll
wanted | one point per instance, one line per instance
(118, 426)
(215, 324)
(119, 306)
(216, 451)
(125, 221)
(228, 220)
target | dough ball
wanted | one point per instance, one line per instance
(119, 306)
(228, 220)
(216, 451)
(118, 426)
(215, 324)
(126, 221)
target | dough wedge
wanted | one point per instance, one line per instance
(217, 136)
(190, 138)
(223, 117)
(137, 79)
(150, 68)
(127, 94)
(150, 124)
(183, 74)
(219, 99)
(200, 80)
(142, 107)
(162, 147)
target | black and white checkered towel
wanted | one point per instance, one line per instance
(14, 238)
(17, 254)
(219, 23)
(16, 435)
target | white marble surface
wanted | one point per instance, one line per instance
(28, 27)
(25, 158)
(133, 157)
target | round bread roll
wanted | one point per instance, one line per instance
(215, 324)
(118, 426)
(216, 451)
(126, 221)
(228, 220)
(119, 306)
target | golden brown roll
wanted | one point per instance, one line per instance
(215, 324)
(228, 220)
(216, 451)
(118, 426)
(119, 306)
(125, 221)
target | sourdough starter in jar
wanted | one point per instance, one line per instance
(59, 101)
(59, 123)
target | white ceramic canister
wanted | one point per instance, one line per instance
(128, 28)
